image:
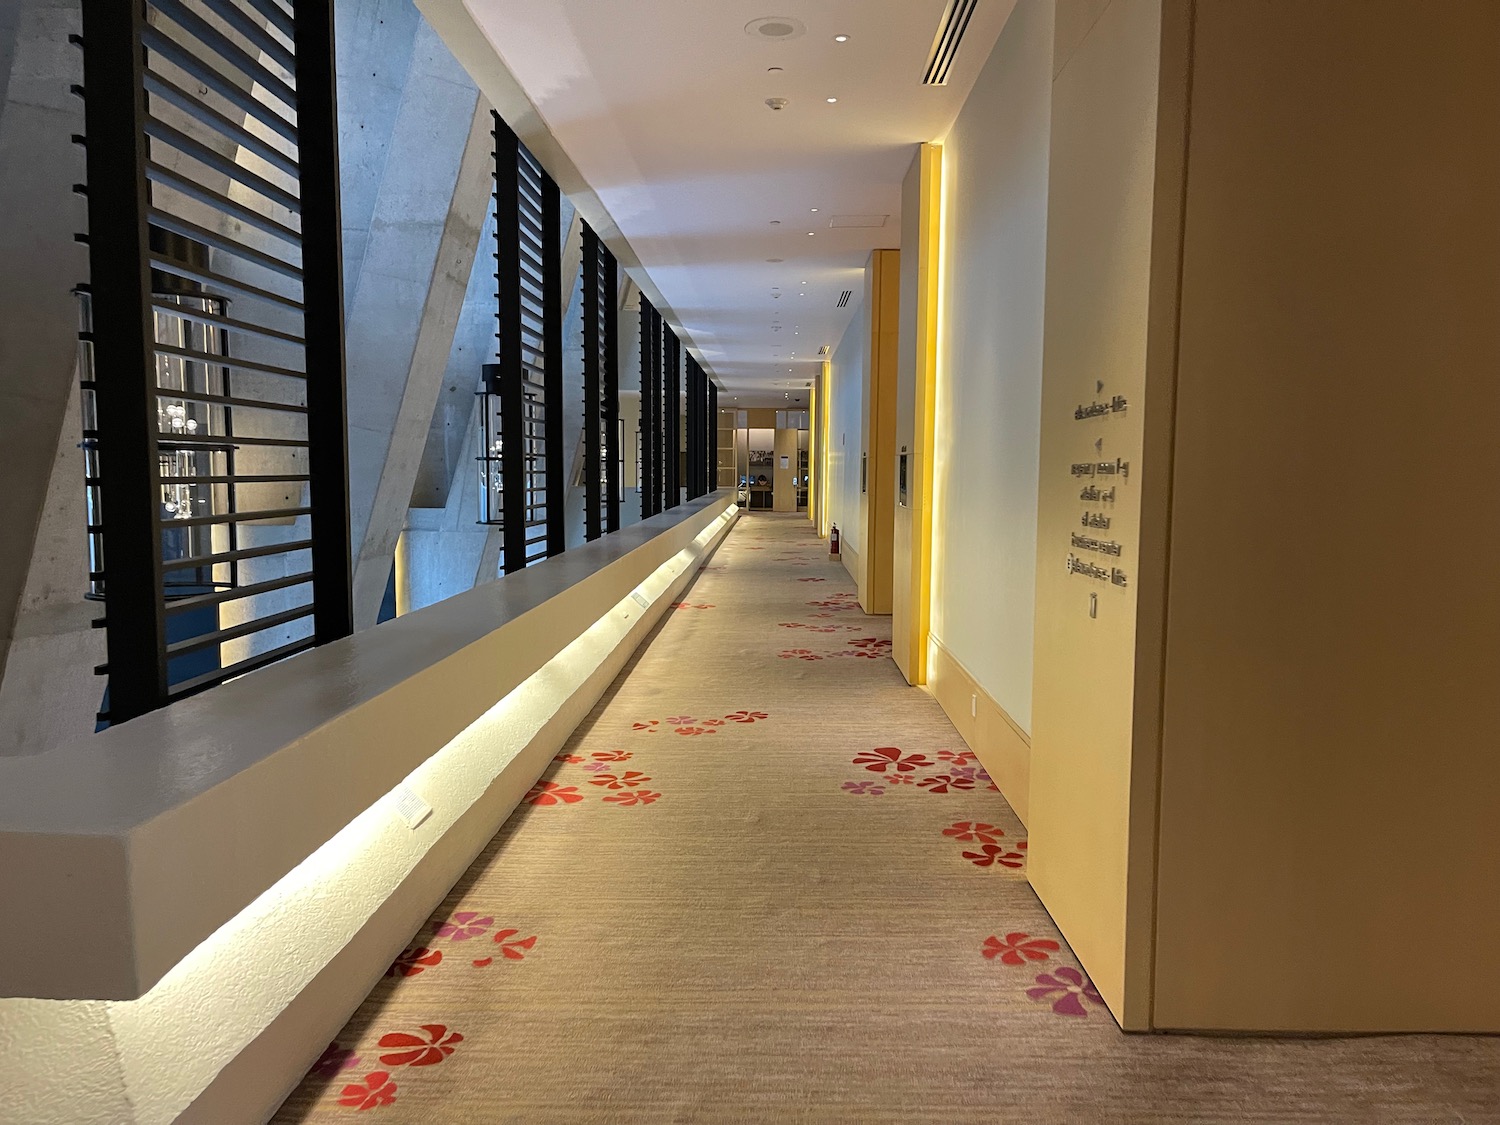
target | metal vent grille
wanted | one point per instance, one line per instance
(945, 45)
(212, 356)
(844, 298)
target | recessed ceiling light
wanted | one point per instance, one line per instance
(811, 233)
(814, 210)
(841, 39)
(832, 100)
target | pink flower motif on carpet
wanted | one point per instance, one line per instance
(969, 831)
(372, 1090)
(957, 757)
(465, 925)
(863, 788)
(649, 725)
(690, 605)
(883, 757)
(747, 716)
(596, 767)
(1018, 948)
(570, 759)
(551, 793)
(611, 755)
(629, 780)
(679, 720)
(632, 797)
(943, 782)
(1070, 989)
(812, 580)
(420, 1050)
(333, 1061)
(413, 961)
(992, 855)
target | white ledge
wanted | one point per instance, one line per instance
(148, 837)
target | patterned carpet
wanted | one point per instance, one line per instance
(765, 882)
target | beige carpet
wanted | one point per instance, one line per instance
(766, 883)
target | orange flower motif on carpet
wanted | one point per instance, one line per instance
(428, 1049)
(369, 1092)
(632, 797)
(1018, 948)
(413, 961)
(551, 793)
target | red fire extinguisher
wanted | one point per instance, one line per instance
(833, 542)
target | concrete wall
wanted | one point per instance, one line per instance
(39, 265)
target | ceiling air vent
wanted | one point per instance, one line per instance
(844, 298)
(950, 34)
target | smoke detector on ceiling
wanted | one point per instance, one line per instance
(775, 27)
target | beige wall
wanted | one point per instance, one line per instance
(1330, 780)
(846, 382)
(1089, 796)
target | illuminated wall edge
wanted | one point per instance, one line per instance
(230, 1030)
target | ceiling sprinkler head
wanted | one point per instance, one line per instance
(777, 104)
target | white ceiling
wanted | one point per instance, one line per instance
(660, 106)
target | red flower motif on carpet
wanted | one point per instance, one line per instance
(679, 720)
(690, 605)
(712, 722)
(372, 1090)
(413, 961)
(1018, 948)
(871, 642)
(957, 757)
(899, 779)
(942, 783)
(420, 1050)
(1070, 987)
(632, 797)
(649, 724)
(747, 716)
(333, 1060)
(611, 755)
(972, 830)
(696, 730)
(465, 925)
(799, 654)
(627, 780)
(511, 950)
(991, 855)
(880, 759)
(551, 793)
(812, 580)
(571, 759)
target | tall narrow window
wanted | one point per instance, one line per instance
(601, 394)
(212, 357)
(522, 393)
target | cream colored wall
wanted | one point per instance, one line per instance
(911, 529)
(1330, 781)
(882, 320)
(989, 372)
(846, 405)
(1090, 795)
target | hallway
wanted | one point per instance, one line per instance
(765, 882)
